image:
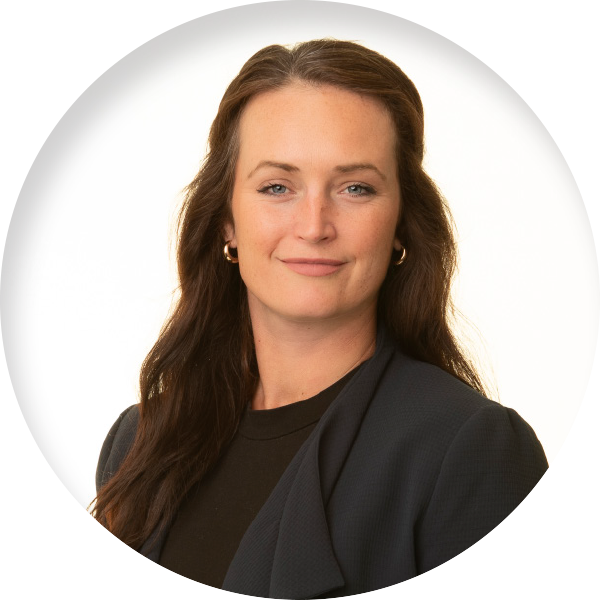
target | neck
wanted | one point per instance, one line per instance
(297, 360)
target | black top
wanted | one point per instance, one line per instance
(217, 511)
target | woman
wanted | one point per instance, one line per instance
(308, 425)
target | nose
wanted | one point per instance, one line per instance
(314, 219)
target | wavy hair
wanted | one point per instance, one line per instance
(201, 372)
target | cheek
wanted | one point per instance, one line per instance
(375, 251)
(257, 235)
(377, 237)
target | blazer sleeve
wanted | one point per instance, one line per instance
(116, 445)
(494, 461)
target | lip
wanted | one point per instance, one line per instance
(313, 267)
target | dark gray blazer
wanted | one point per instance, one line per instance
(407, 468)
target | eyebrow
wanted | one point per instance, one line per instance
(270, 163)
(359, 167)
(340, 168)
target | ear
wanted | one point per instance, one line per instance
(229, 234)
(397, 244)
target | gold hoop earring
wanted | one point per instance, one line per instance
(402, 258)
(228, 256)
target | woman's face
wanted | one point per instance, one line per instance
(315, 202)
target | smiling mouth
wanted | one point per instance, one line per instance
(313, 267)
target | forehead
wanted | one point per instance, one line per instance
(304, 122)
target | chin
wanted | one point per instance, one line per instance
(309, 311)
(313, 316)
(319, 311)
(307, 305)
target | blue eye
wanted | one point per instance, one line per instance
(275, 189)
(357, 189)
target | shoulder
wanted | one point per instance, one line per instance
(116, 445)
(412, 385)
(422, 404)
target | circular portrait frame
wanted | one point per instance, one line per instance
(53, 225)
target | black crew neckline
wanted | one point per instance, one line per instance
(270, 423)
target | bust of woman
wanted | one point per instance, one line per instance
(308, 424)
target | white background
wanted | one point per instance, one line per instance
(52, 53)
(87, 281)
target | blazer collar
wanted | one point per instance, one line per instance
(287, 551)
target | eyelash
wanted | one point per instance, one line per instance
(368, 190)
(265, 190)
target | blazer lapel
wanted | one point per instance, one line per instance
(287, 551)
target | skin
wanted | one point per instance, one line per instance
(293, 204)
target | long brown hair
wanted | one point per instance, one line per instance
(198, 377)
